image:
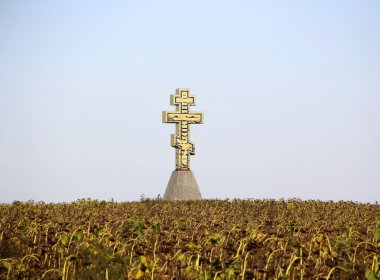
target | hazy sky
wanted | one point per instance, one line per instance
(290, 92)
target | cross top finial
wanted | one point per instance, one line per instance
(182, 118)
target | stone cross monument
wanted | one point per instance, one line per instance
(182, 184)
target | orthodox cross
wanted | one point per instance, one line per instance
(182, 118)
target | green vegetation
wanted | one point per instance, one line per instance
(209, 239)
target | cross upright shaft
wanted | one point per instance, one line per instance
(182, 118)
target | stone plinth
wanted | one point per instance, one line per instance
(182, 186)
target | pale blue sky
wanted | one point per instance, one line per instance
(290, 91)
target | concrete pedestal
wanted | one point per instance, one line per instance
(182, 186)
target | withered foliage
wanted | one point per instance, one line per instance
(209, 239)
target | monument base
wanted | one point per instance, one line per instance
(182, 186)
